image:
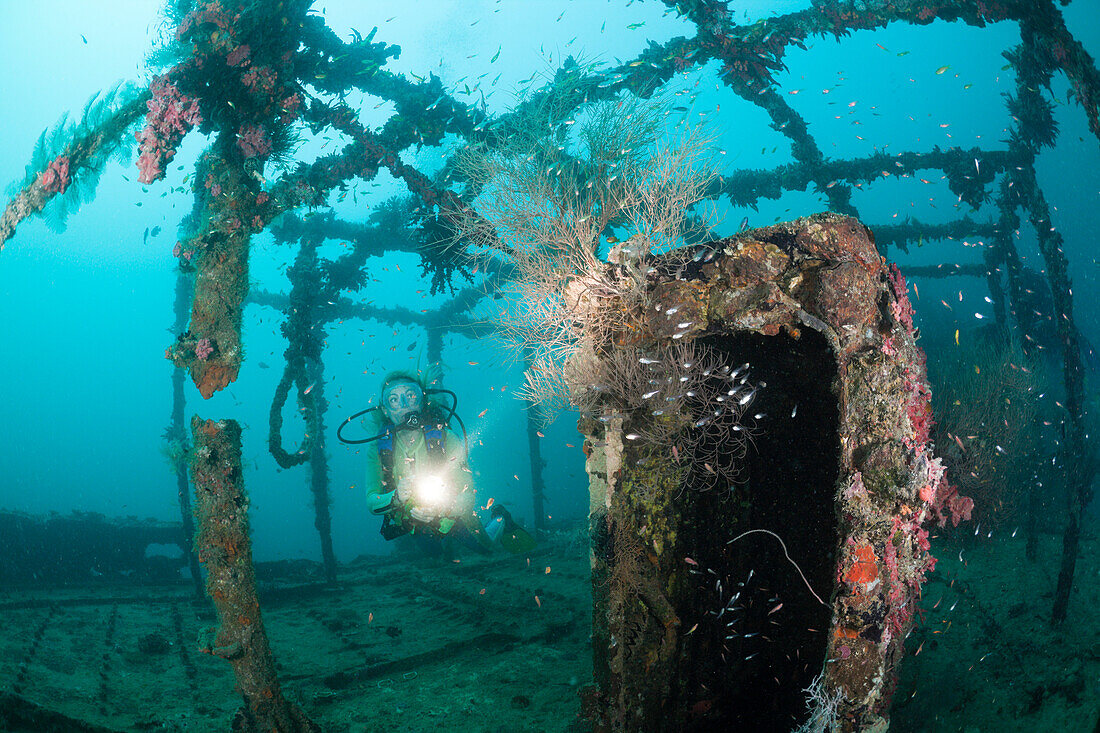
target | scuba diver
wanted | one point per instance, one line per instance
(418, 479)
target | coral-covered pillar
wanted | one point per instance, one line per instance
(224, 547)
(757, 509)
(217, 252)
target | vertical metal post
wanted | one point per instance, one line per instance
(225, 548)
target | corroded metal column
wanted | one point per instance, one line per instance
(764, 574)
(225, 548)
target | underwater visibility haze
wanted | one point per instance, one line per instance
(556, 365)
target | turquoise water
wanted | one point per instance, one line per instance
(88, 311)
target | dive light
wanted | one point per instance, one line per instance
(432, 490)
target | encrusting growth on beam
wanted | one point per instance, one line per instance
(225, 549)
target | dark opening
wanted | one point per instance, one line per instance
(761, 634)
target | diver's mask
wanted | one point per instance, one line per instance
(400, 400)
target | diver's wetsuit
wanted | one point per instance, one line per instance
(436, 450)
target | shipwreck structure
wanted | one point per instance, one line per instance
(722, 598)
(722, 576)
(87, 546)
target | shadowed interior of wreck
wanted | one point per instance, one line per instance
(761, 634)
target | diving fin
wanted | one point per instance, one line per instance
(512, 537)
